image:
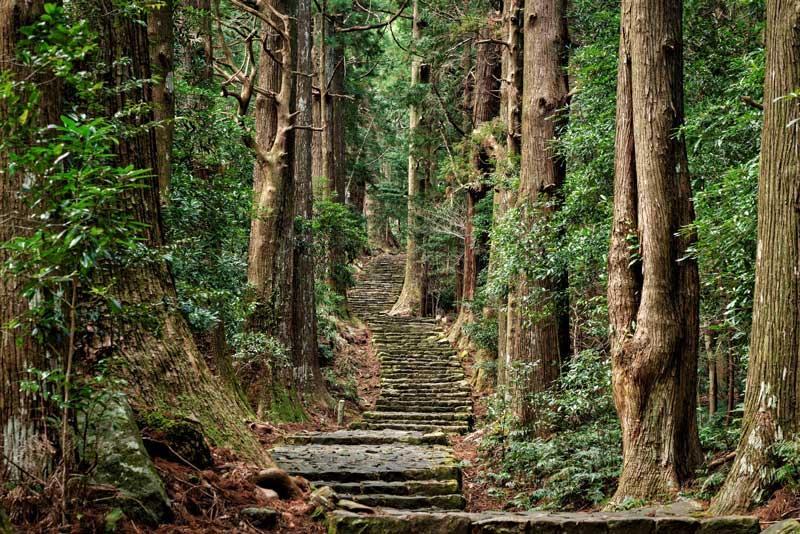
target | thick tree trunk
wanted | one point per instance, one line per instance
(412, 296)
(305, 352)
(541, 338)
(772, 413)
(24, 442)
(160, 33)
(654, 318)
(164, 370)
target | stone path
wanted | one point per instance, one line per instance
(398, 457)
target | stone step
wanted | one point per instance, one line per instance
(411, 395)
(411, 502)
(410, 416)
(397, 425)
(633, 522)
(423, 408)
(405, 487)
(366, 437)
(354, 463)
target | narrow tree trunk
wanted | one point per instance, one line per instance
(305, 351)
(711, 361)
(654, 319)
(731, 393)
(160, 33)
(771, 411)
(510, 89)
(412, 296)
(164, 370)
(538, 346)
(24, 441)
(485, 107)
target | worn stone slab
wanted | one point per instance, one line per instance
(390, 462)
(537, 522)
(367, 437)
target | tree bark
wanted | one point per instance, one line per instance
(24, 442)
(160, 33)
(412, 296)
(653, 300)
(771, 411)
(162, 366)
(485, 106)
(305, 351)
(540, 323)
(510, 90)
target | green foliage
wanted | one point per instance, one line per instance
(337, 227)
(787, 453)
(575, 456)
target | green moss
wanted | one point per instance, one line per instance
(286, 406)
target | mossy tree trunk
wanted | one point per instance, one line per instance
(653, 296)
(160, 361)
(771, 412)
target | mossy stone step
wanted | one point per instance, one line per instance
(367, 437)
(411, 416)
(450, 429)
(405, 487)
(411, 502)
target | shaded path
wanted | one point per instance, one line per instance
(398, 457)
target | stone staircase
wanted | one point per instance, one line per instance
(397, 457)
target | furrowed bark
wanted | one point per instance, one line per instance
(771, 412)
(160, 33)
(653, 300)
(539, 322)
(305, 353)
(160, 362)
(24, 441)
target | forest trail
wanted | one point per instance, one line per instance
(398, 456)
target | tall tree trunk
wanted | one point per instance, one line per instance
(771, 410)
(270, 264)
(412, 296)
(305, 352)
(485, 107)
(23, 441)
(711, 362)
(163, 368)
(510, 90)
(654, 318)
(160, 33)
(541, 334)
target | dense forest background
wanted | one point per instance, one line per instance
(192, 184)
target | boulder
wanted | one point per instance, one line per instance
(114, 447)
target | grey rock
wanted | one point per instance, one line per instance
(355, 507)
(114, 446)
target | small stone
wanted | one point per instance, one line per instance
(355, 507)
(260, 517)
(324, 497)
(267, 494)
